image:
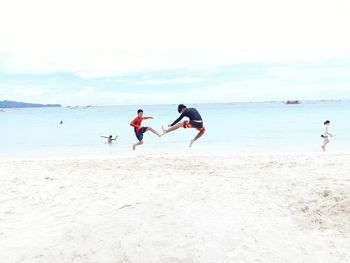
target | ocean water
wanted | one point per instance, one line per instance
(234, 128)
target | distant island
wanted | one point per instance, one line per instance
(14, 104)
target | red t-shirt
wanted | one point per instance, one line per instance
(136, 123)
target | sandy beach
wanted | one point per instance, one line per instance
(172, 209)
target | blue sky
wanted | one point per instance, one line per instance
(143, 52)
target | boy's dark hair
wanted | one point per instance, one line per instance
(139, 111)
(181, 107)
(326, 122)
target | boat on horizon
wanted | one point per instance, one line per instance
(292, 102)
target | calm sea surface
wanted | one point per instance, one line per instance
(236, 128)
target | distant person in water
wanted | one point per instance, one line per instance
(139, 130)
(195, 121)
(61, 122)
(110, 138)
(326, 135)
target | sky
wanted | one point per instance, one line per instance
(110, 52)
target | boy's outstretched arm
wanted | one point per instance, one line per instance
(178, 119)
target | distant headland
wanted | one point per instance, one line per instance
(14, 104)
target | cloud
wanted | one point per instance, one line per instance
(94, 52)
(120, 98)
(32, 92)
(85, 92)
(229, 84)
(113, 37)
(183, 80)
(27, 93)
(55, 78)
(303, 72)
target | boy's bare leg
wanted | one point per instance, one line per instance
(136, 144)
(172, 128)
(325, 142)
(200, 134)
(153, 131)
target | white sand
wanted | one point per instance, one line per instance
(168, 209)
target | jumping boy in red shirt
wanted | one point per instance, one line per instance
(139, 131)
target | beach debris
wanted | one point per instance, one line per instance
(49, 178)
(129, 205)
(325, 210)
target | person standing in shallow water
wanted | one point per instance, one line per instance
(325, 135)
(110, 138)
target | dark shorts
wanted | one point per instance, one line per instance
(324, 136)
(193, 124)
(139, 135)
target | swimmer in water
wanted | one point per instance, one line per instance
(325, 135)
(110, 138)
(139, 130)
(195, 121)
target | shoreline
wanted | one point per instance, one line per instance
(135, 154)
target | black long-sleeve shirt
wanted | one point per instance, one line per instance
(190, 113)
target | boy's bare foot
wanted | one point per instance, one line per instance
(192, 141)
(134, 147)
(164, 130)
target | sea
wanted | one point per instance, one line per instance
(264, 127)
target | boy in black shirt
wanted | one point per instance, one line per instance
(194, 122)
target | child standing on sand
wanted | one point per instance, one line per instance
(325, 135)
(139, 131)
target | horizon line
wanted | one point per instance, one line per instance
(202, 103)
